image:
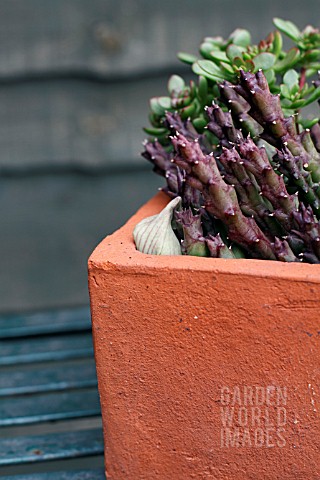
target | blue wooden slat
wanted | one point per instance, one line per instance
(40, 448)
(77, 319)
(48, 379)
(47, 407)
(97, 474)
(42, 349)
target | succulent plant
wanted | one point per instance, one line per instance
(237, 148)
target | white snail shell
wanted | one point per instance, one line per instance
(155, 236)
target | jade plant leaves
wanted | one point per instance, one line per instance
(159, 105)
(240, 37)
(288, 28)
(264, 61)
(187, 58)
(288, 61)
(209, 70)
(223, 60)
(291, 78)
(176, 84)
(277, 43)
(234, 51)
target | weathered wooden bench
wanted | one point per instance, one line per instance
(49, 403)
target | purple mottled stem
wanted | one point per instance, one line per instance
(193, 241)
(217, 248)
(279, 131)
(239, 108)
(272, 185)
(283, 251)
(309, 229)
(249, 193)
(221, 125)
(156, 154)
(265, 107)
(220, 199)
(315, 135)
(184, 127)
(292, 166)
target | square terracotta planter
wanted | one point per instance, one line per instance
(207, 368)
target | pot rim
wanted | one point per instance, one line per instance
(118, 251)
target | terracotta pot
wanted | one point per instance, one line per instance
(207, 368)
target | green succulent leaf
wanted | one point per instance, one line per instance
(193, 89)
(295, 90)
(312, 56)
(239, 62)
(315, 95)
(312, 70)
(199, 123)
(298, 104)
(154, 119)
(198, 70)
(285, 91)
(164, 102)
(310, 39)
(249, 65)
(309, 31)
(227, 68)
(234, 51)
(288, 61)
(176, 84)
(208, 69)
(264, 61)
(181, 102)
(187, 58)
(155, 131)
(238, 251)
(306, 123)
(215, 41)
(306, 90)
(159, 105)
(270, 76)
(189, 111)
(206, 50)
(291, 78)
(240, 37)
(277, 43)
(287, 112)
(155, 107)
(288, 28)
(219, 56)
(203, 90)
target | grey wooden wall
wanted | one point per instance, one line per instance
(75, 79)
